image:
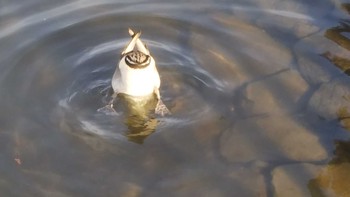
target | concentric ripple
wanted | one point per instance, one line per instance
(66, 70)
(61, 68)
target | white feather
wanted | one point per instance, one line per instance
(136, 81)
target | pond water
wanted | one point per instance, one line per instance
(259, 94)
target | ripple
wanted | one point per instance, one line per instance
(68, 55)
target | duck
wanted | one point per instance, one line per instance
(137, 75)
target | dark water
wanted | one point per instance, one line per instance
(258, 90)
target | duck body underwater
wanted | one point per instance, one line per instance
(136, 74)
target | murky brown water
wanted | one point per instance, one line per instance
(259, 94)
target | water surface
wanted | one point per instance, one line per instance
(258, 92)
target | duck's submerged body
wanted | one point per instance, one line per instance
(139, 106)
(139, 121)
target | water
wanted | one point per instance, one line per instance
(258, 92)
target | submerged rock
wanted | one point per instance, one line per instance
(323, 56)
(292, 180)
(256, 53)
(313, 66)
(201, 182)
(292, 17)
(332, 100)
(316, 180)
(277, 93)
(271, 138)
(333, 180)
